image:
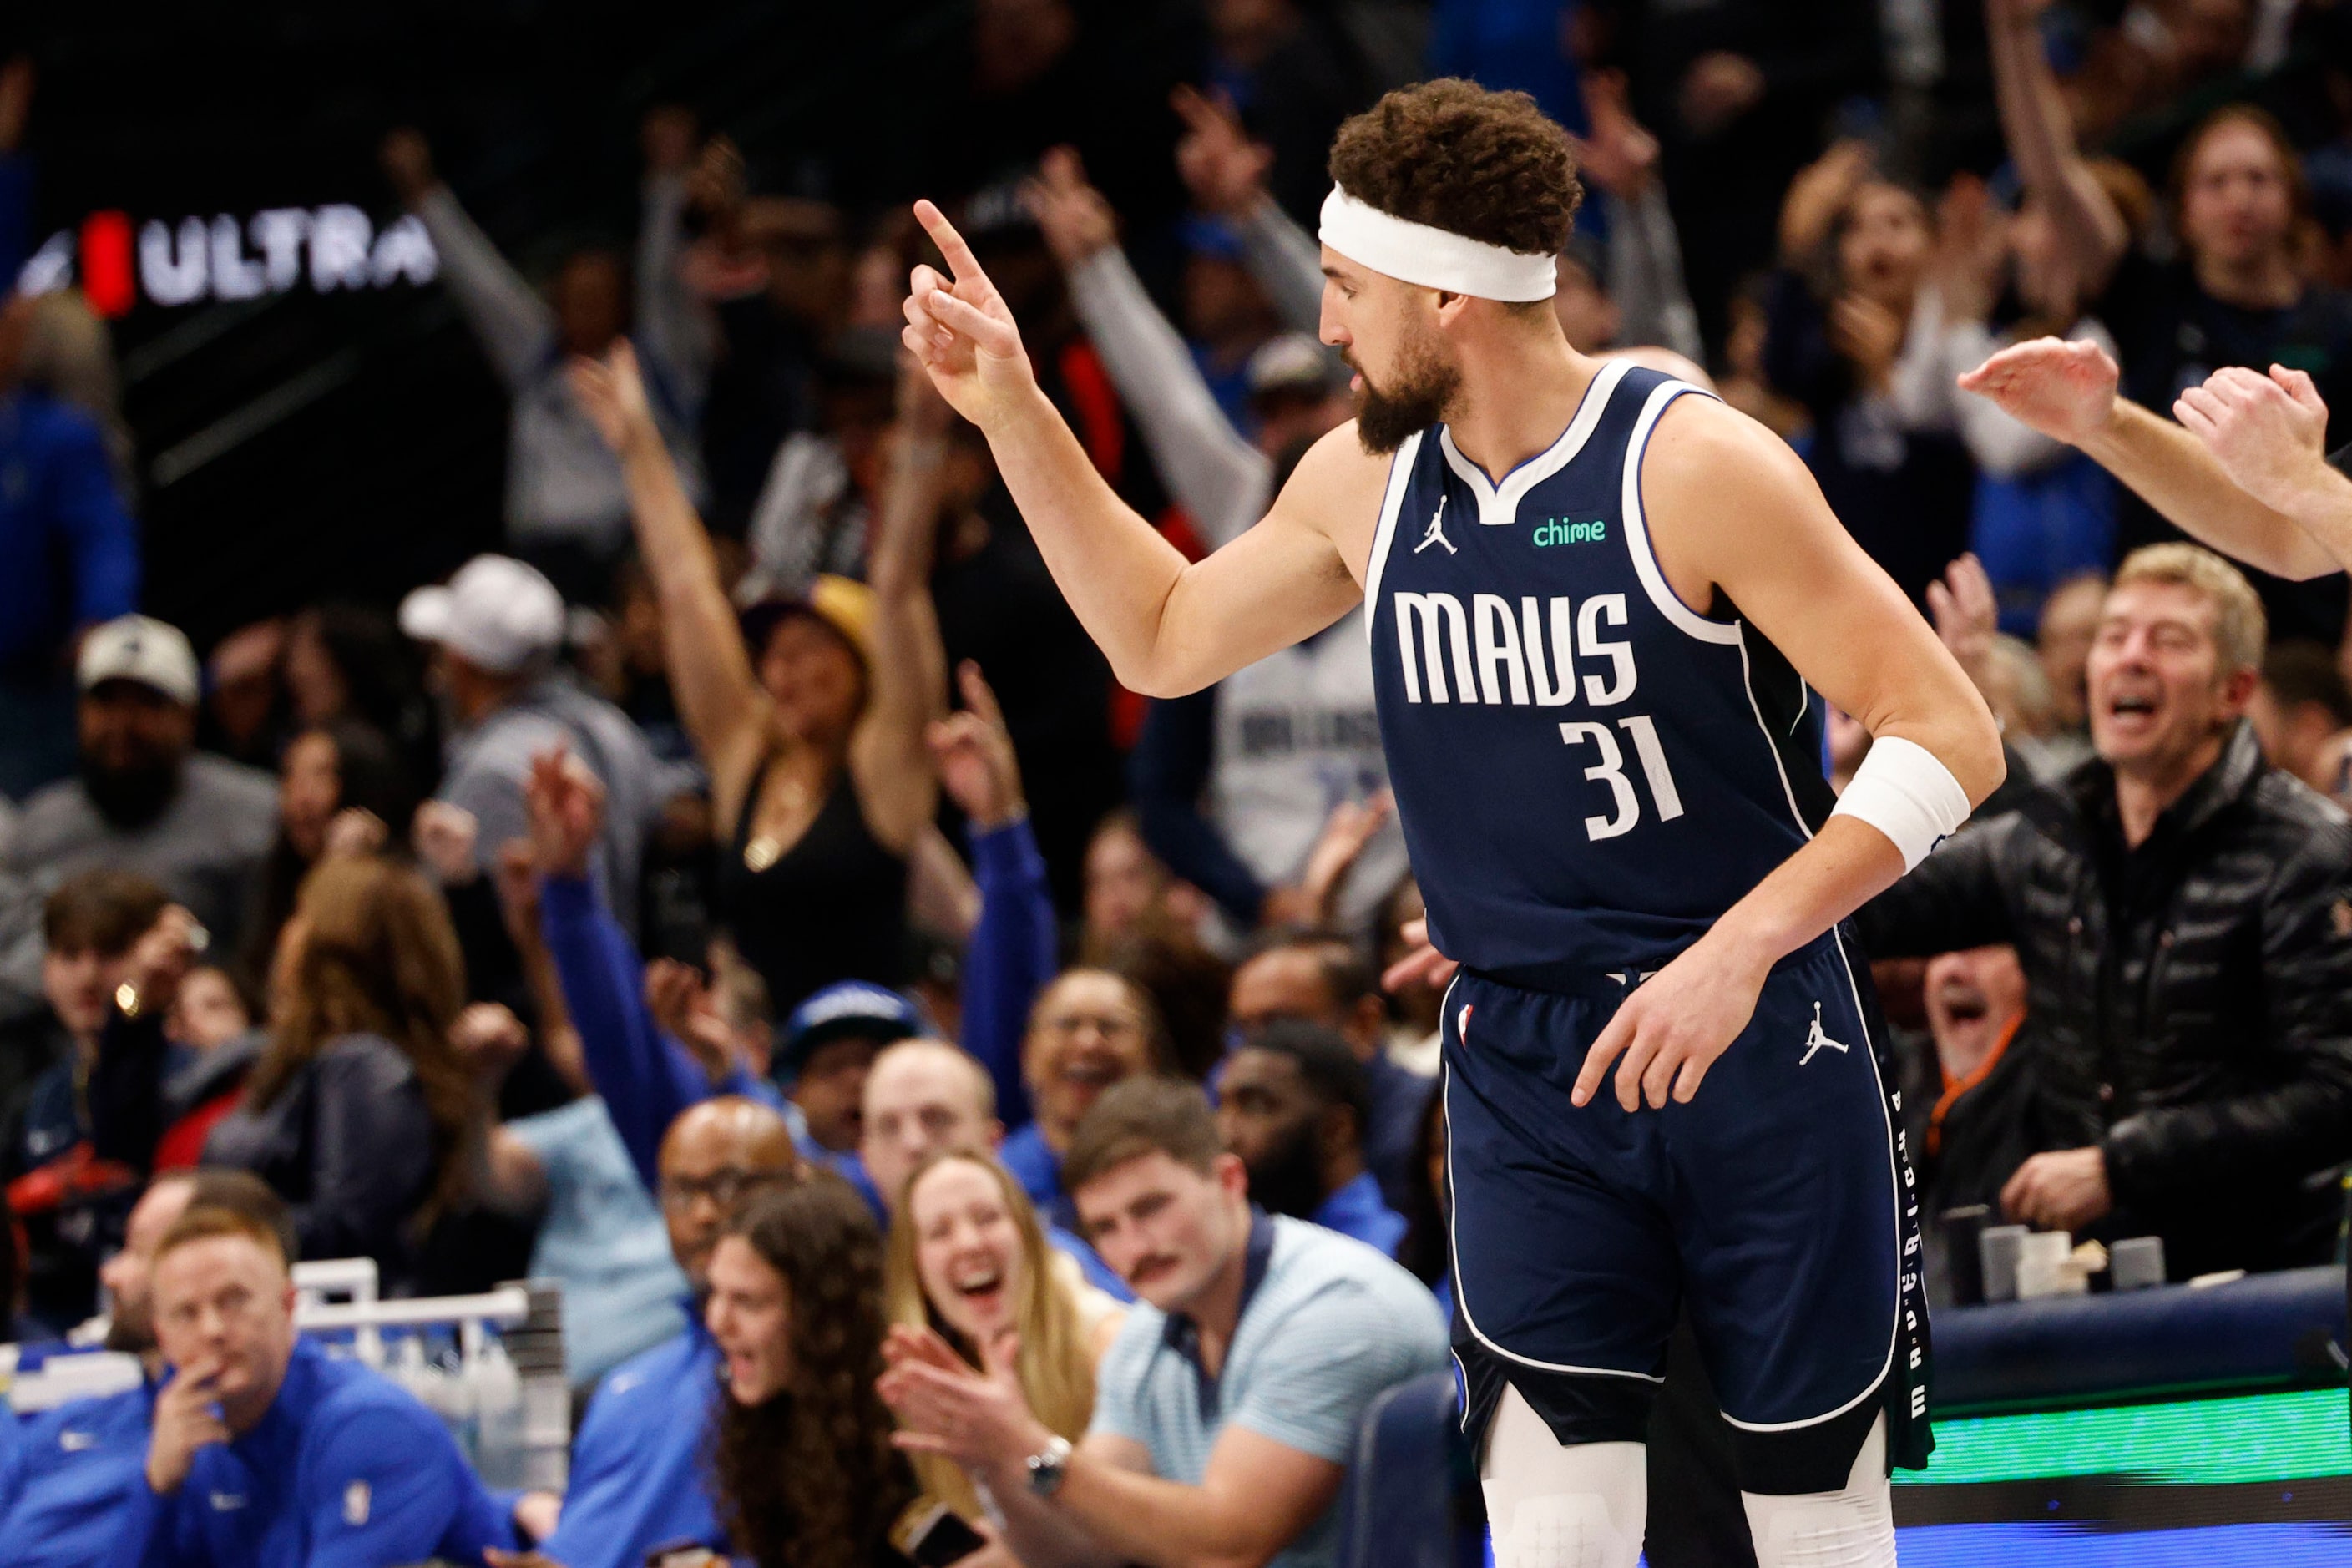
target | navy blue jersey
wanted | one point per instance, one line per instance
(1589, 771)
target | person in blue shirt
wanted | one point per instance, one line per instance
(69, 560)
(1291, 1102)
(75, 1467)
(265, 1452)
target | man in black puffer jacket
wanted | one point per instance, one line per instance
(2180, 910)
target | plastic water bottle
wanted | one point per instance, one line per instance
(499, 1418)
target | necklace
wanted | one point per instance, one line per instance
(765, 849)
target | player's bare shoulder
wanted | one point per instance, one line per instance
(1337, 490)
(1719, 489)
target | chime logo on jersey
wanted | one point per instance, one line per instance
(1561, 530)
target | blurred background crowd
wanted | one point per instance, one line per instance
(522, 720)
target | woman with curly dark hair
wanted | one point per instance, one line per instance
(805, 1472)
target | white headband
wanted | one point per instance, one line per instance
(1432, 258)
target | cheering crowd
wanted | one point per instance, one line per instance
(942, 1080)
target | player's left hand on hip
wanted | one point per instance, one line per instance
(1672, 1028)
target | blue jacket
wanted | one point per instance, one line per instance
(73, 1472)
(68, 550)
(637, 1477)
(1358, 1210)
(346, 1469)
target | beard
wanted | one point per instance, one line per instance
(1287, 1179)
(132, 796)
(1424, 386)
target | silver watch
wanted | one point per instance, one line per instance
(1048, 1466)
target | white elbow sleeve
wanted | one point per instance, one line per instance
(1902, 790)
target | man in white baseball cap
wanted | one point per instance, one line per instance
(495, 629)
(144, 799)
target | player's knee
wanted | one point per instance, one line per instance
(1565, 1529)
(1852, 1527)
(1554, 1505)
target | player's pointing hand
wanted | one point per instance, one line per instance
(961, 330)
(1673, 1028)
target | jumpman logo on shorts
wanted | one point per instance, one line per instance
(1816, 1040)
(1436, 534)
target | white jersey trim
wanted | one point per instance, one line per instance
(1401, 466)
(1894, 1180)
(1498, 505)
(1637, 532)
(1453, 1243)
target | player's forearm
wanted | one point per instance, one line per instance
(2171, 470)
(1847, 864)
(1113, 567)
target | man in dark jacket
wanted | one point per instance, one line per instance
(2180, 908)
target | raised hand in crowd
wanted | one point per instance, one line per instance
(1423, 964)
(2268, 432)
(1972, 250)
(681, 1003)
(1868, 336)
(355, 831)
(1621, 156)
(1223, 169)
(565, 801)
(1315, 897)
(1966, 616)
(612, 393)
(162, 958)
(2066, 390)
(443, 837)
(972, 750)
(1812, 202)
(407, 160)
(1071, 213)
(489, 1039)
(1719, 88)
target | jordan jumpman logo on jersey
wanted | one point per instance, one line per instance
(1436, 534)
(1816, 1040)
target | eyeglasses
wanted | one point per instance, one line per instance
(724, 1188)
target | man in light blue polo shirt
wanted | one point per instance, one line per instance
(1226, 1410)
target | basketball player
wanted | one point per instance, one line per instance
(1600, 605)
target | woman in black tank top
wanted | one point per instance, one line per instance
(810, 714)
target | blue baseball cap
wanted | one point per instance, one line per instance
(847, 1009)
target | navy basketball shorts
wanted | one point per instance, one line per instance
(1775, 1209)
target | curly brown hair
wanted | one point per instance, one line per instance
(1451, 154)
(808, 1478)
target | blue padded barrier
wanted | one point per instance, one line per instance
(2263, 1331)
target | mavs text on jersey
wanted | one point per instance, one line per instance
(1589, 773)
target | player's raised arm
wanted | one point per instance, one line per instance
(1796, 575)
(1168, 627)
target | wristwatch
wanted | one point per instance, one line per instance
(1048, 1466)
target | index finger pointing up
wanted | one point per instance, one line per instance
(960, 258)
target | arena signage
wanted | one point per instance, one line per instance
(228, 258)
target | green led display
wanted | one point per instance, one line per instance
(2260, 1438)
